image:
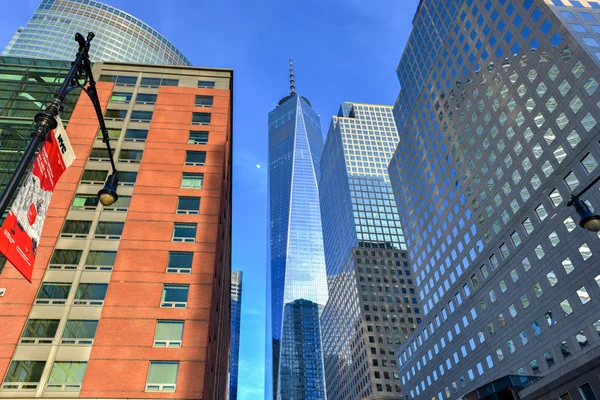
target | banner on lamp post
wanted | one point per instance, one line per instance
(20, 234)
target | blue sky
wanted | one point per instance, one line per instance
(342, 50)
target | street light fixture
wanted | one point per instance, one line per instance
(588, 219)
(78, 76)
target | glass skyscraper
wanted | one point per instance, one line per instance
(372, 305)
(236, 316)
(498, 118)
(297, 287)
(120, 37)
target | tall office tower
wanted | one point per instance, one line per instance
(297, 283)
(132, 300)
(372, 305)
(497, 116)
(236, 316)
(120, 37)
(26, 86)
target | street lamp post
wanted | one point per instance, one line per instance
(79, 76)
(588, 219)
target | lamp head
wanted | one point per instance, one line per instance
(108, 195)
(588, 220)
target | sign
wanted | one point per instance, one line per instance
(20, 234)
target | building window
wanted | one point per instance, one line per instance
(168, 334)
(80, 331)
(564, 396)
(40, 331)
(121, 205)
(98, 154)
(76, 229)
(196, 158)
(130, 156)
(586, 392)
(156, 82)
(135, 135)
(184, 232)
(204, 101)
(140, 116)
(188, 205)
(126, 178)
(113, 133)
(115, 115)
(162, 376)
(100, 260)
(206, 84)
(198, 137)
(93, 176)
(121, 97)
(109, 230)
(65, 259)
(200, 118)
(67, 375)
(174, 296)
(119, 80)
(85, 202)
(145, 98)
(180, 262)
(90, 294)
(53, 293)
(24, 375)
(192, 181)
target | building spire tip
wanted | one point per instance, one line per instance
(292, 83)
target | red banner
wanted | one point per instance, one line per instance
(20, 234)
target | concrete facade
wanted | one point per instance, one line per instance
(157, 291)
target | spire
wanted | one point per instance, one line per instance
(292, 84)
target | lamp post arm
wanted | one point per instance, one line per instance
(585, 189)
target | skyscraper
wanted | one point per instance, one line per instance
(372, 305)
(297, 288)
(120, 37)
(236, 316)
(131, 300)
(497, 118)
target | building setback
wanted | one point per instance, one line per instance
(120, 37)
(497, 118)
(296, 279)
(236, 316)
(372, 305)
(132, 300)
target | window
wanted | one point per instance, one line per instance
(130, 156)
(184, 232)
(197, 158)
(66, 375)
(192, 181)
(180, 262)
(140, 116)
(145, 98)
(24, 375)
(76, 229)
(80, 331)
(204, 101)
(583, 295)
(156, 82)
(586, 392)
(566, 306)
(115, 115)
(549, 359)
(113, 134)
(85, 202)
(206, 84)
(550, 318)
(65, 259)
(168, 334)
(93, 176)
(200, 119)
(98, 154)
(100, 260)
(119, 80)
(198, 137)
(121, 205)
(53, 293)
(109, 230)
(174, 296)
(564, 349)
(135, 135)
(188, 205)
(127, 178)
(40, 331)
(121, 97)
(564, 396)
(90, 294)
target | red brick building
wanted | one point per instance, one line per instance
(132, 300)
